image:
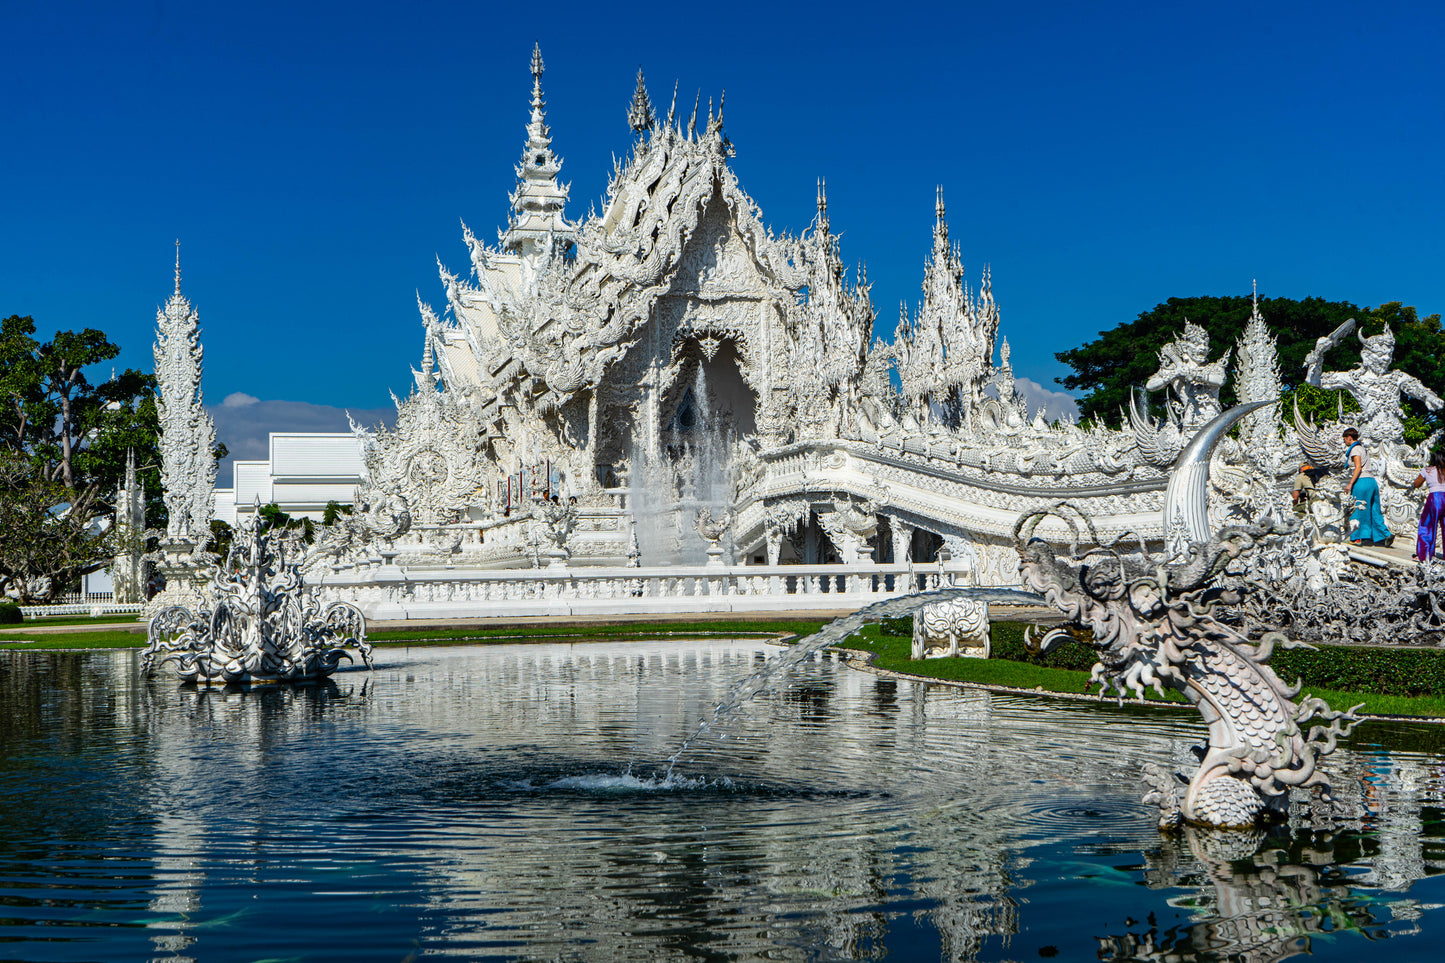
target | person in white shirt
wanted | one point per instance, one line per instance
(1432, 515)
(1369, 517)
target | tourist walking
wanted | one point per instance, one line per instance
(1432, 515)
(1370, 520)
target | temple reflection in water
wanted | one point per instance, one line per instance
(508, 801)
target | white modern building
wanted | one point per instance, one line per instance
(305, 470)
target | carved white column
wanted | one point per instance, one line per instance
(902, 539)
(775, 544)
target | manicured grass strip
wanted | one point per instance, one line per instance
(44, 620)
(562, 630)
(1380, 705)
(75, 640)
(548, 632)
(894, 654)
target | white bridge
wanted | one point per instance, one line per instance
(389, 591)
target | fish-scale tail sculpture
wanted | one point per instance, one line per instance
(1155, 625)
(260, 622)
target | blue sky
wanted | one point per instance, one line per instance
(314, 159)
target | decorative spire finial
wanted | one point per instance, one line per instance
(639, 114)
(537, 221)
(537, 101)
(823, 203)
(940, 226)
(178, 267)
(1255, 283)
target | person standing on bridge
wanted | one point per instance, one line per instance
(1370, 528)
(1432, 514)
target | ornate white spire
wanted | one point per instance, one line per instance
(188, 436)
(128, 571)
(537, 223)
(639, 113)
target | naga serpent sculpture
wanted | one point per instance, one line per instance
(1153, 622)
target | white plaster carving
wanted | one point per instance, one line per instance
(957, 627)
(187, 434)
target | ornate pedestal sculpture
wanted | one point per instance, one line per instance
(712, 531)
(557, 519)
(1155, 624)
(958, 627)
(259, 622)
(183, 568)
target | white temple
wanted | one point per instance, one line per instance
(592, 389)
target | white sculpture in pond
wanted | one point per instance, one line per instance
(958, 627)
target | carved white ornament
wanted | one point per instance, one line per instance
(187, 434)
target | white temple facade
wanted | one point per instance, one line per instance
(666, 381)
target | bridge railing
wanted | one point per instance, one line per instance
(397, 593)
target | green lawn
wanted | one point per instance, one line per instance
(114, 619)
(554, 632)
(893, 653)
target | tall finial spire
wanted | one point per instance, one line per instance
(537, 67)
(823, 203)
(538, 222)
(940, 226)
(1255, 284)
(639, 114)
(178, 267)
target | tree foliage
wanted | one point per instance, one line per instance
(45, 542)
(64, 440)
(1121, 359)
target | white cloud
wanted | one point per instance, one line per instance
(1053, 404)
(244, 427)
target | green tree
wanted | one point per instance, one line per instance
(1121, 359)
(47, 540)
(65, 439)
(333, 512)
(272, 517)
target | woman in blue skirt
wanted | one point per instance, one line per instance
(1432, 516)
(1370, 528)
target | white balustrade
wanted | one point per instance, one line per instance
(395, 592)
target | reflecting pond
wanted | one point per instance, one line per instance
(506, 802)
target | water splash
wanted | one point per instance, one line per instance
(619, 784)
(765, 676)
(684, 469)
